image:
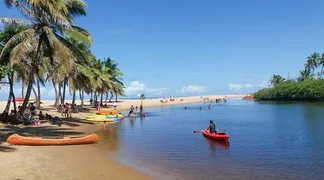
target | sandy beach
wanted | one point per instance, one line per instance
(71, 162)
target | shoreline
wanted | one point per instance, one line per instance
(26, 162)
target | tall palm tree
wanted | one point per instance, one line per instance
(276, 80)
(45, 36)
(312, 61)
(116, 75)
(10, 29)
(321, 64)
(305, 74)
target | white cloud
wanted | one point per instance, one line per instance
(136, 87)
(193, 89)
(264, 84)
(241, 87)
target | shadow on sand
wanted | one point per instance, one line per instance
(7, 149)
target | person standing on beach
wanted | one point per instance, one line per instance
(131, 110)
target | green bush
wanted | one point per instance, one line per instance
(292, 90)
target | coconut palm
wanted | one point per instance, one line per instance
(10, 29)
(116, 75)
(276, 80)
(305, 74)
(45, 36)
(312, 61)
(321, 64)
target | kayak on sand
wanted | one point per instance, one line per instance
(219, 136)
(43, 141)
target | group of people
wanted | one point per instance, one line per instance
(66, 109)
(217, 100)
(132, 110)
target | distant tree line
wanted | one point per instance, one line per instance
(308, 86)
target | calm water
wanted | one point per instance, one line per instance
(267, 141)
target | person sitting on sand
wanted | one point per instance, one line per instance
(12, 113)
(211, 127)
(41, 116)
(48, 117)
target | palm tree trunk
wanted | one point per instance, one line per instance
(28, 92)
(101, 99)
(34, 91)
(81, 96)
(91, 99)
(107, 95)
(38, 98)
(116, 97)
(111, 96)
(60, 92)
(73, 97)
(64, 89)
(22, 88)
(6, 110)
(56, 94)
(94, 103)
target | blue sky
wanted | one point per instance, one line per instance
(193, 47)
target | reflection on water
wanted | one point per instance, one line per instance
(268, 141)
(217, 145)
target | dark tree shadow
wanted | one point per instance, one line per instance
(7, 149)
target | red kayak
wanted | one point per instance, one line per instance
(215, 136)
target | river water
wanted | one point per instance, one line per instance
(267, 141)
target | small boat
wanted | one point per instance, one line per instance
(47, 141)
(219, 136)
(107, 111)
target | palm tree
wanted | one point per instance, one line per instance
(276, 80)
(321, 64)
(10, 29)
(45, 36)
(312, 61)
(116, 75)
(305, 74)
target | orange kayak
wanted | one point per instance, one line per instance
(43, 141)
(107, 112)
(215, 136)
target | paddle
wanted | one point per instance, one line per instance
(198, 131)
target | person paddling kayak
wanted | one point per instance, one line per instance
(211, 127)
